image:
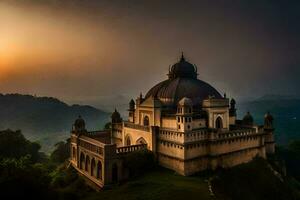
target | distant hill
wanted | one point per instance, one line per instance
(285, 110)
(45, 119)
(277, 97)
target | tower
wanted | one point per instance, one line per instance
(232, 112)
(116, 128)
(269, 130)
(131, 111)
(184, 114)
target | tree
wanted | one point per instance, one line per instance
(61, 152)
(14, 145)
(107, 126)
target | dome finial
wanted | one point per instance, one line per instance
(182, 57)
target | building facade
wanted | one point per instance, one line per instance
(184, 121)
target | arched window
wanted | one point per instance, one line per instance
(219, 123)
(93, 167)
(141, 140)
(99, 170)
(87, 163)
(128, 141)
(81, 161)
(146, 121)
(74, 153)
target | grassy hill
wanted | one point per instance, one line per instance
(252, 181)
(45, 119)
(286, 112)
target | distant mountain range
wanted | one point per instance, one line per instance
(285, 110)
(46, 119)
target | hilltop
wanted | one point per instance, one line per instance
(45, 119)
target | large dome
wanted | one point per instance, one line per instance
(182, 82)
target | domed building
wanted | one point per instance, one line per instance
(188, 125)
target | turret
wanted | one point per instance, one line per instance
(116, 117)
(232, 110)
(269, 131)
(248, 119)
(140, 99)
(268, 122)
(184, 114)
(131, 110)
(79, 125)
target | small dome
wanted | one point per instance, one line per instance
(183, 69)
(268, 116)
(116, 117)
(185, 102)
(232, 102)
(248, 119)
(268, 121)
(79, 124)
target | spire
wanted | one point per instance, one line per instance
(182, 57)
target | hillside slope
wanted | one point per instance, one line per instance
(251, 181)
(45, 119)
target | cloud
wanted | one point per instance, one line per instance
(85, 49)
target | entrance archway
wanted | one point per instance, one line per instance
(81, 160)
(93, 166)
(87, 163)
(99, 170)
(219, 123)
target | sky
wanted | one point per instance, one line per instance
(104, 53)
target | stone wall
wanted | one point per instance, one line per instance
(171, 163)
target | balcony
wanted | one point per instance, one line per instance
(137, 126)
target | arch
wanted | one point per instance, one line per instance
(93, 167)
(141, 140)
(74, 153)
(99, 170)
(87, 163)
(114, 173)
(219, 122)
(81, 160)
(146, 121)
(127, 140)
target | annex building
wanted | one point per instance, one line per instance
(184, 121)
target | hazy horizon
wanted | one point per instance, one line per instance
(110, 51)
